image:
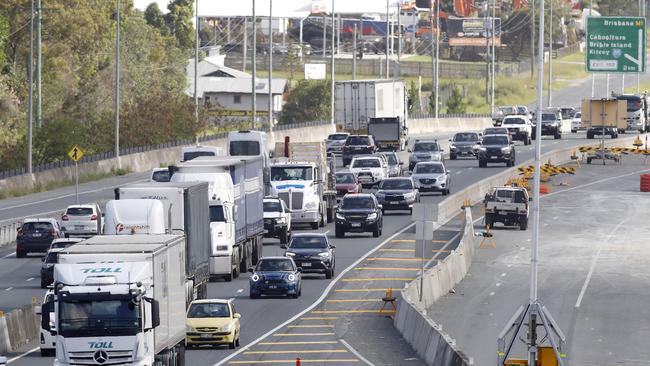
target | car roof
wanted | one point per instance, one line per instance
(37, 219)
(425, 141)
(397, 178)
(433, 162)
(88, 205)
(365, 157)
(296, 235)
(211, 301)
(369, 195)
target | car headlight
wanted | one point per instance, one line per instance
(291, 277)
(289, 254)
(452, 146)
(226, 328)
(409, 195)
(280, 220)
(324, 254)
(372, 216)
(255, 277)
(311, 205)
(189, 329)
(340, 217)
(380, 195)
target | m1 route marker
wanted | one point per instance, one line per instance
(616, 44)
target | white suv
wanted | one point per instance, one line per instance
(369, 169)
(519, 128)
(82, 220)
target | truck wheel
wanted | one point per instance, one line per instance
(314, 226)
(482, 163)
(339, 232)
(228, 277)
(20, 253)
(284, 236)
(523, 225)
(452, 157)
(180, 354)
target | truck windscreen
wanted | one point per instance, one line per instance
(216, 214)
(195, 154)
(633, 105)
(99, 318)
(290, 173)
(245, 148)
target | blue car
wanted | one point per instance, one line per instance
(275, 276)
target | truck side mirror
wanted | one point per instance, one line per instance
(155, 313)
(45, 311)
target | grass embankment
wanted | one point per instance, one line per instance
(42, 187)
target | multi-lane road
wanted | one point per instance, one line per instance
(18, 277)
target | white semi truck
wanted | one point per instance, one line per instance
(119, 299)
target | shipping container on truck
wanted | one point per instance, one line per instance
(359, 101)
(603, 116)
(119, 299)
(187, 207)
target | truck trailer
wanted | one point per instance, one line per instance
(119, 300)
(605, 116)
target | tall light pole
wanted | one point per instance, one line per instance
(433, 63)
(39, 88)
(532, 40)
(494, 16)
(550, 56)
(254, 72)
(30, 99)
(437, 57)
(270, 65)
(117, 85)
(387, 39)
(332, 74)
(196, 66)
(593, 75)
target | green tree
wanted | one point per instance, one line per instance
(413, 98)
(154, 16)
(456, 103)
(308, 101)
(179, 21)
(432, 103)
(291, 61)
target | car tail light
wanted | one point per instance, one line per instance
(64, 218)
(93, 217)
(20, 231)
(51, 231)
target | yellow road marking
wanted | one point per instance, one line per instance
(355, 300)
(312, 326)
(413, 241)
(391, 259)
(385, 269)
(361, 279)
(396, 250)
(361, 290)
(441, 251)
(292, 361)
(296, 343)
(319, 318)
(295, 351)
(301, 334)
(352, 311)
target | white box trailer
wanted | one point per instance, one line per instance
(359, 101)
(121, 298)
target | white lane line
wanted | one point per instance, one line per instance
(326, 293)
(22, 355)
(8, 255)
(240, 290)
(592, 267)
(326, 232)
(459, 172)
(355, 352)
(29, 279)
(9, 288)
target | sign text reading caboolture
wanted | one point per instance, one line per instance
(616, 44)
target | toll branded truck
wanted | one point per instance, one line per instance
(605, 116)
(187, 212)
(235, 199)
(303, 177)
(375, 107)
(119, 299)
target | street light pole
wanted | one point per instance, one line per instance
(270, 65)
(437, 57)
(39, 101)
(254, 70)
(196, 67)
(494, 15)
(30, 99)
(387, 39)
(550, 55)
(332, 71)
(117, 85)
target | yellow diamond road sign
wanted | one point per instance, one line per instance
(75, 153)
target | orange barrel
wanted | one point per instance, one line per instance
(645, 183)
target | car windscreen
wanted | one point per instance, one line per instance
(396, 184)
(496, 131)
(351, 203)
(337, 137)
(308, 242)
(345, 179)
(272, 206)
(366, 163)
(495, 140)
(217, 214)
(514, 121)
(426, 146)
(195, 154)
(522, 110)
(79, 211)
(508, 110)
(549, 117)
(36, 226)
(577, 115)
(391, 158)
(161, 176)
(209, 310)
(246, 148)
(429, 169)
(465, 137)
(358, 140)
(270, 265)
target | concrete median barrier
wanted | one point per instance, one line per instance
(450, 124)
(18, 328)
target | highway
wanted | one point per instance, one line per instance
(18, 278)
(592, 271)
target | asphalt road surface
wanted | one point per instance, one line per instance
(19, 278)
(592, 273)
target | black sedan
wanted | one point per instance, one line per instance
(313, 253)
(359, 213)
(397, 194)
(496, 149)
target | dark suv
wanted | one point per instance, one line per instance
(496, 149)
(313, 253)
(358, 145)
(36, 235)
(551, 125)
(359, 213)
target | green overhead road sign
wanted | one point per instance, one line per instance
(616, 44)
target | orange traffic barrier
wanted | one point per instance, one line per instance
(543, 189)
(645, 183)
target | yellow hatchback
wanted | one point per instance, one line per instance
(213, 322)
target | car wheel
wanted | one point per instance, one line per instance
(447, 191)
(295, 296)
(375, 231)
(20, 253)
(253, 296)
(43, 284)
(482, 163)
(452, 157)
(339, 232)
(574, 131)
(45, 352)
(232, 345)
(523, 225)
(329, 273)
(237, 343)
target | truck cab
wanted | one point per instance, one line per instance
(507, 205)
(637, 113)
(192, 152)
(299, 185)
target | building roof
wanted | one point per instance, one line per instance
(236, 85)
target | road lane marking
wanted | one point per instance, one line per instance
(367, 279)
(296, 351)
(293, 362)
(319, 318)
(302, 334)
(295, 343)
(361, 290)
(354, 352)
(318, 301)
(397, 250)
(9, 288)
(23, 355)
(30, 279)
(9, 255)
(386, 269)
(311, 326)
(391, 259)
(353, 311)
(353, 300)
(441, 251)
(240, 290)
(413, 241)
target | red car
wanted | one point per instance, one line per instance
(347, 183)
